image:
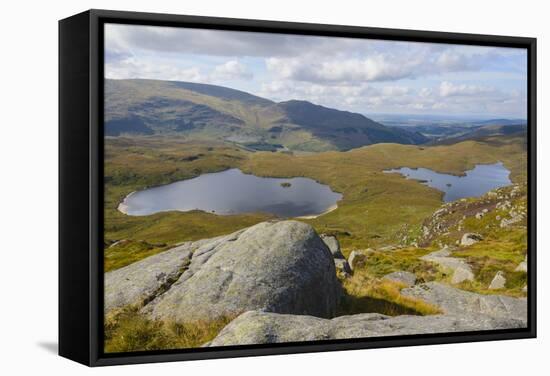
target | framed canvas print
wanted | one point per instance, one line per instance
(236, 187)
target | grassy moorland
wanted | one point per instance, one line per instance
(377, 208)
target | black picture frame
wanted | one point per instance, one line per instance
(81, 185)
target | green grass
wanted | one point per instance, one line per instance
(497, 254)
(377, 209)
(126, 252)
(364, 294)
(131, 331)
(157, 161)
(380, 263)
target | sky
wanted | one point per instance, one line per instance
(359, 75)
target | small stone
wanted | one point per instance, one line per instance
(522, 266)
(498, 282)
(354, 258)
(342, 266)
(470, 238)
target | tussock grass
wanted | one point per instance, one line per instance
(380, 263)
(373, 212)
(129, 331)
(128, 251)
(364, 294)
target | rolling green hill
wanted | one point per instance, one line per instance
(201, 111)
(487, 131)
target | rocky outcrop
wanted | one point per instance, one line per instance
(139, 283)
(406, 278)
(462, 311)
(256, 327)
(461, 269)
(279, 267)
(461, 274)
(453, 301)
(470, 238)
(333, 245)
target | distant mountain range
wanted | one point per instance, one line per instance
(146, 107)
(476, 133)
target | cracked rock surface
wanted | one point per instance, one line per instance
(462, 311)
(138, 283)
(281, 267)
(256, 327)
(454, 301)
(460, 268)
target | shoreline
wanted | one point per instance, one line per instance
(122, 207)
(330, 209)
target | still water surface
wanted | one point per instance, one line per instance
(233, 192)
(481, 179)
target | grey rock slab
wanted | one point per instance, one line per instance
(281, 267)
(460, 268)
(333, 245)
(454, 301)
(407, 278)
(257, 327)
(139, 282)
(461, 274)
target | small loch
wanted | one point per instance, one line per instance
(476, 182)
(234, 192)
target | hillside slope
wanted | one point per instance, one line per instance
(198, 111)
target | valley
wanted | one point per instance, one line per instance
(377, 209)
(390, 251)
(208, 112)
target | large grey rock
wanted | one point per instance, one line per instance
(498, 282)
(470, 238)
(406, 278)
(333, 245)
(257, 327)
(281, 267)
(458, 302)
(141, 281)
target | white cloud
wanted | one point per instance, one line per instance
(135, 68)
(339, 71)
(354, 74)
(448, 89)
(231, 70)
